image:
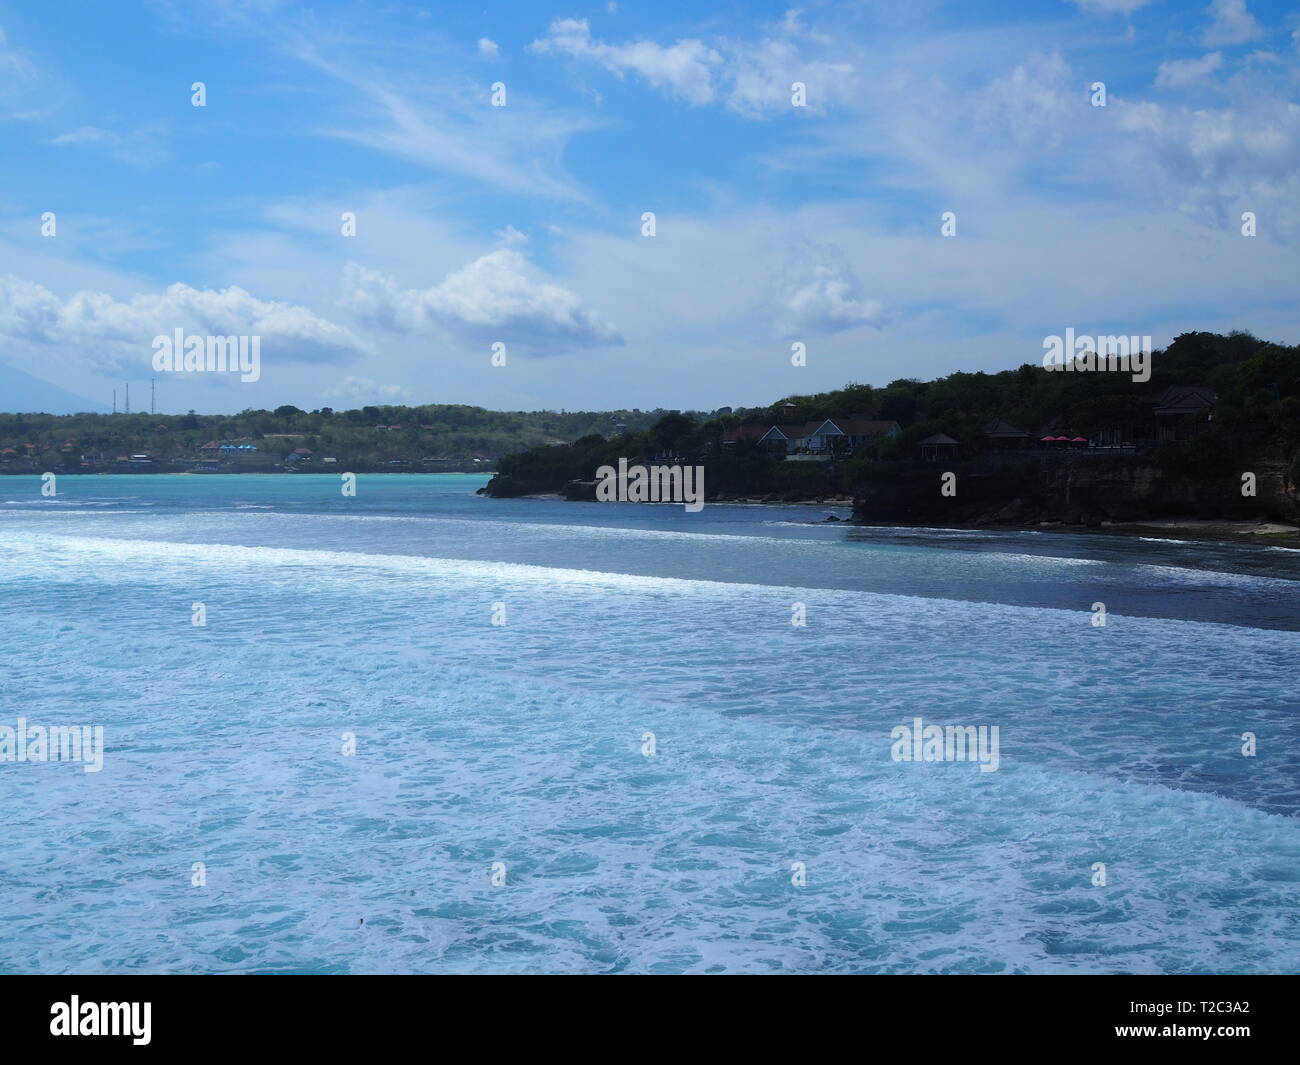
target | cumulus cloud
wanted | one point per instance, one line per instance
(499, 296)
(684, 69)
(1180, 73)
(1033, 102)
(819, 293)
(118, 333)
(488, 48)
(761, 75)
(1232, 24)
(1214, 162)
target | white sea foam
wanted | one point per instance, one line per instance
(523, 744)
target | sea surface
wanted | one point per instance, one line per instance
(643, 766)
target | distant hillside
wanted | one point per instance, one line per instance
(434, 436)
(22, 391)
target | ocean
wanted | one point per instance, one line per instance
(420, 730)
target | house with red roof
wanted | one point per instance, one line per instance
(752, 433)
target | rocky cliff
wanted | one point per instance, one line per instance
(1075, 489)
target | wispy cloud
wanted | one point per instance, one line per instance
(1180, 73)
(24, 91)
(1111, 7)
(138, 147)
(450, 126)
(362, 390)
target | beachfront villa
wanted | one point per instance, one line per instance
(782, 439)
(824, 437)
(848, 434)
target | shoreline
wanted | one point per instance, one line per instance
(1193, 530)
(243, 473)
(1202, 530)
(1265, 533)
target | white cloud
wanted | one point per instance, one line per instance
(13, 65)
(87, 135)
(752, 78)
(1033, 102)
(821, 294)
(498, 296)
(488, 48)
(110, 332)
(761, 76)
(1215, 162)
(684, 69)
(1232, 24)
(1180, 73)
(139, 147)
(25, 92)
(363, 391)
(447, 127)
(511, 236)
(1030, 133)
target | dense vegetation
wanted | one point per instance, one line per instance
(452, 434)
(1258, 410)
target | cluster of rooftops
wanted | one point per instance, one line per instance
(829, 434)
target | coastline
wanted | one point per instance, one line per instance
(1258, 532)
(241, 473)
(1267, 534)
(1207, 530)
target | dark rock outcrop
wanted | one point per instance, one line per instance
(503, 487)
(578, 491)
(1083, 491)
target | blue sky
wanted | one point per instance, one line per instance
(521, 224)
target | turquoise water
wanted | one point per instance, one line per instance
(522, 743)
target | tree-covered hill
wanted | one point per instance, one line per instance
(1257, 411)
(378, 437)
